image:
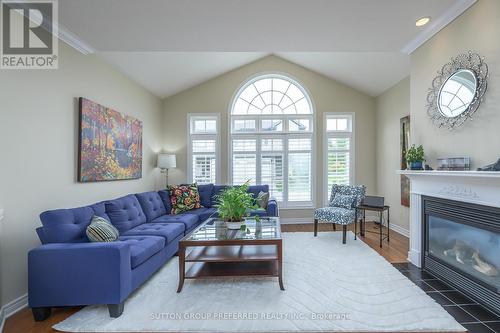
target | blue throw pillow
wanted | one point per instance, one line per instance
(343, 201)
(100, 230)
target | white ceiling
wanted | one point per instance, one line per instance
(369, 72)
(171, 45)
(167, 73)
(248, 26)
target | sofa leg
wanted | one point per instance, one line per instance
(40, 314)
(344, 233)
(315, 227)
(116, 310)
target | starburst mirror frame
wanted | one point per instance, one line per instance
(472, 70)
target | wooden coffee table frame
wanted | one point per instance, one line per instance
(231, 258)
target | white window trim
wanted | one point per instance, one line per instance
(190, 137)
(335, 134)
(283, 134)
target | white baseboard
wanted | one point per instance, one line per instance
(400, 230)
(303, 220)
(11, 308)
(295, 220)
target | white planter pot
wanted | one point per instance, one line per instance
(234, 225)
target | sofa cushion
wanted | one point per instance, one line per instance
(206, 194)
(101, 230)
(151, 204)
(169, 231)
(142, 247)
(216, 191)
(204, 213)
(189, 220)
(100, 210)
(256, 189)
(66, 225)
(125, 213)
(165, 198)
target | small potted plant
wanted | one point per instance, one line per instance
(234, 204)
(415, 157)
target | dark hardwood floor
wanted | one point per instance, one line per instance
(395, 252)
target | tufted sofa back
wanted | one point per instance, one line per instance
(256, 189)
(206, 194)
(125, 212)
(151, 204)
(216, 191)
(165, 198)
(68, 225)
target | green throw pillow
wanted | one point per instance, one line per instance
(262, 199)
(100, 230)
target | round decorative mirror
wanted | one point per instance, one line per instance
(457, 93)
(458, 90)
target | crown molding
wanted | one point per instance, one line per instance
(66, 36)
(74, 41)
(437, 24)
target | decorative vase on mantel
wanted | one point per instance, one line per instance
(417, 165)
(415, 157)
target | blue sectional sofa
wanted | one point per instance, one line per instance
(68, 270)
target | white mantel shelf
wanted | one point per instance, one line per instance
(478, 187)
(479, 174)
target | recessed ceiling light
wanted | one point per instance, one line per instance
(422, 21)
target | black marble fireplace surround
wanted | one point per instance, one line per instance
(461, 245)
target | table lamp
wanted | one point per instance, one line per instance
(165, 162)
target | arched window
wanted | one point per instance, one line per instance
(271, 138)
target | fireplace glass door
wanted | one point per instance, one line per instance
(474, 251)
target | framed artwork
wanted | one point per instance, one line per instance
(404, 145)
(110, 144)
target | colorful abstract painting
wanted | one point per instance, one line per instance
(110, 144)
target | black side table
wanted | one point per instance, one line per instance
(380, 210)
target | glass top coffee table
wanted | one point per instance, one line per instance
(213, 250)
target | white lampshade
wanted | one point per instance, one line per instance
(166, 161)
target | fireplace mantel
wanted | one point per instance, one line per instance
(439, 173)
(479, 187)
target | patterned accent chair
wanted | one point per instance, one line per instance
(341, 215)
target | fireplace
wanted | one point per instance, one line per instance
(461, 244)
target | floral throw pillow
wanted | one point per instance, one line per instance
(343, 201)
(184, 198)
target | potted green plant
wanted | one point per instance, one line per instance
(415, 157)
(234, 204)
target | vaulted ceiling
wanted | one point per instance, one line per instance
(169, 46)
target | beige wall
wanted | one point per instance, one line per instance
(391, 106)
(38, 129)
(214, 96)
(478, 29)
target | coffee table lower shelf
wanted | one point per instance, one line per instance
(241, 260)
(232, 269)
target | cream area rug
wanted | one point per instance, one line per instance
(329, 287)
